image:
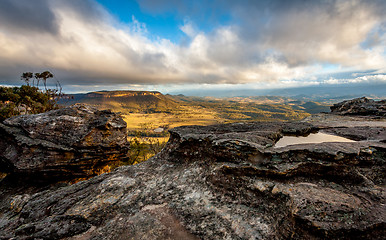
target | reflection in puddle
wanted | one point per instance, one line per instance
(312, 138)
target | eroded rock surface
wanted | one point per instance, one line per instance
(360, 106)
(70, 142)
(222, 182)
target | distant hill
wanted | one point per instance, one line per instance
(258, 108)
(310, 107)
(268, 103)
(125, 101)
(155, 110)
(322, 92)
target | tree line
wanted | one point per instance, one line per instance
(29, 98)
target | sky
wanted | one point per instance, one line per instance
(179, 45)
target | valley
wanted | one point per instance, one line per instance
(155, 110)
(150, 114)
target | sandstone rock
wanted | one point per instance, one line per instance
(69, 142)
(220, 182)
(360, 106)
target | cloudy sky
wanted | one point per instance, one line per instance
(172, 45)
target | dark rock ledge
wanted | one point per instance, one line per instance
(360, 106)
(72, 142)
(222, 182)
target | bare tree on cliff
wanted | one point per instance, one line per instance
(43, 76)
(26, 77)
(37, 77)
(46, 75)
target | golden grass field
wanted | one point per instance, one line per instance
(186, 115)
(144, 110)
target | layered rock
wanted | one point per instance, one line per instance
(222, 182)
(70, 142)
(360, 106)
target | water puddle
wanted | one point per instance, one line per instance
(312, 138)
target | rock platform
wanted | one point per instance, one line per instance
(223, 182)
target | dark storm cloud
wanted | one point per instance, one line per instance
(305, 32)
(78, 28)
(27, 15)
(88, 10)
(261, 41)
(38, 16)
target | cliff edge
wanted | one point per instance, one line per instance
(224, 182)
(67, 143)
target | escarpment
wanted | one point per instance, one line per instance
(224, 182)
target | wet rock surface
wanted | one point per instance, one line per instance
(71, 142)
(222, 182)
(360, 106)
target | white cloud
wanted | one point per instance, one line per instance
(371, 79)
(289, 49)
(137, 26)
(188, 28)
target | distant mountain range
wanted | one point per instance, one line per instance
(323, 92)
(193, 109)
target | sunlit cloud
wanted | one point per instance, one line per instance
(363, 79)
(272, 43)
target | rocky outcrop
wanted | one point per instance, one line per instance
(222, 182)
(360, 106)
(70, 142)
